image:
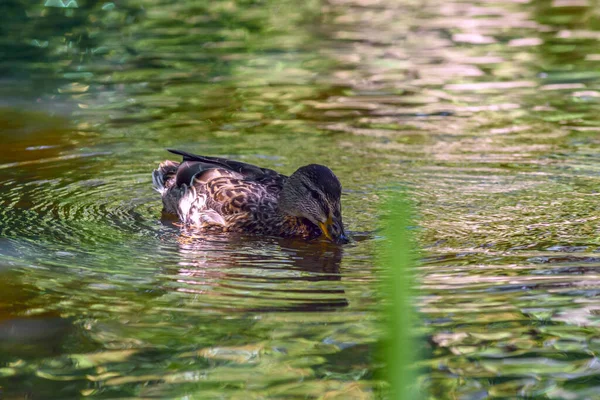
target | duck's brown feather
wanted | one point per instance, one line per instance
(218, 194)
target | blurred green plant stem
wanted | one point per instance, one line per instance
(398, 280)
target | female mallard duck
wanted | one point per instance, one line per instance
(230, 196)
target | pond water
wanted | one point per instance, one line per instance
(486, 112)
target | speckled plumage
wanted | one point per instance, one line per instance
(216, 194)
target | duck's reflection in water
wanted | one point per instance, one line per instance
(241, 273)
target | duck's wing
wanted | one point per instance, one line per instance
(204, 168)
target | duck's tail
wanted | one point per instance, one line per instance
(164, 177)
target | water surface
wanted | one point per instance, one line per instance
(485, 112)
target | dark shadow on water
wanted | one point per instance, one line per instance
(270, 274)
(30, 335)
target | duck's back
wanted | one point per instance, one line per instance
(220, 194)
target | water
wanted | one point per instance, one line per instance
(486, 112)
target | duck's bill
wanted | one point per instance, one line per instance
(334, 231)
(342, 239)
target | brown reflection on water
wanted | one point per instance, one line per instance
(32, 137)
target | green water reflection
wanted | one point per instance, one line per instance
(486, 112)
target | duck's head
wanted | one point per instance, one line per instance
(314, 192)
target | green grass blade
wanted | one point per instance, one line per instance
(399, 253)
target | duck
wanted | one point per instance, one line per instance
(216, 194)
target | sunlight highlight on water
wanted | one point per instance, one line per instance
(485, 112)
